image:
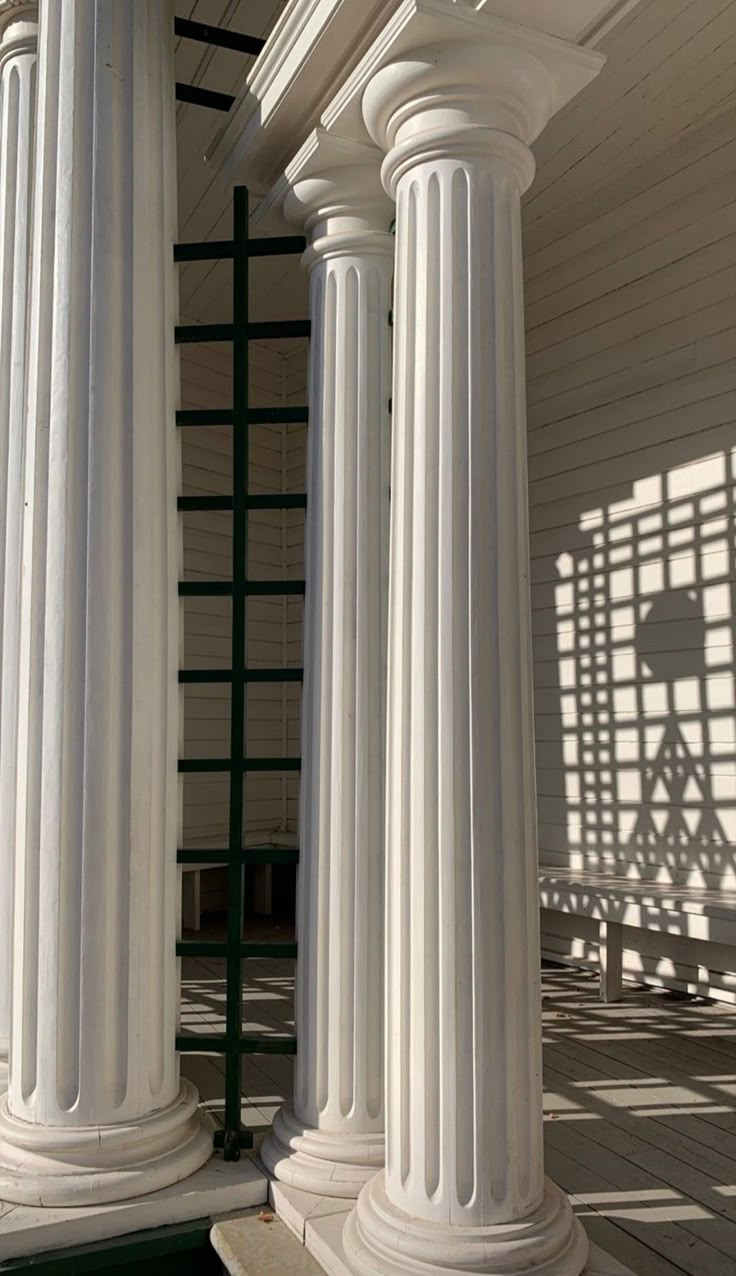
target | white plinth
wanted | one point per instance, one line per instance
(42, 1165)
(318, 1222)
(218, 1188)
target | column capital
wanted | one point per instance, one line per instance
(333, 188)
(18, 27)
(491, 96)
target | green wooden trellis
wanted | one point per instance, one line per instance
(233, 1043)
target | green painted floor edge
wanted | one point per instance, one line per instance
(167, 1246)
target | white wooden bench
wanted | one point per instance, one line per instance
(706, 915)
(192, 876)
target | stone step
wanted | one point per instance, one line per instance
(259, 1244)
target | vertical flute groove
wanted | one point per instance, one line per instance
(400, 697)
(17, 93)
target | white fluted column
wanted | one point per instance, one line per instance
(95, 1109)
(18, 43)
(331, 1139)
(464, 1188)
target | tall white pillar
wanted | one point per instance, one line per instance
(18, 41)
(95, 1109)
(464, 1188)
(331, 1139)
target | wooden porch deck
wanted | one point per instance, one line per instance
(640, 1107)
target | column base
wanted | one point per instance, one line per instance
(326, 1162)
(97, 1165)
(381, 1240)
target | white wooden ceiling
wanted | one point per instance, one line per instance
(671, 67)
(278, 288)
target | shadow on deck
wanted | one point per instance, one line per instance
(640, 1107)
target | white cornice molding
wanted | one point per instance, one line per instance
(599, 27)
(316, 46)
(457, 64)
(311, 50)
(419, 24)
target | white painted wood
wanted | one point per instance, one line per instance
(676, 938)
(18, 55)
(95, 1110)
(191, 906)
(331, 1140)
(652, 89)
(630, 317)
(695, 912)
(464, 1186)
(640, 1097)
(610, 945)
(317, 43)
(666, 957)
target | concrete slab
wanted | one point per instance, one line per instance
(218, 1188)
(253, 1246)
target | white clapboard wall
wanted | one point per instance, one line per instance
(273, 632)
(630, 264)
(630, 260)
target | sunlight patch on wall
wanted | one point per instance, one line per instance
(644, 625)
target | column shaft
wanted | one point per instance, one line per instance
(95, 1109)
(339, 1069)
(332, 1138)
(464, 1187)
(463, 1031)
(18, 41)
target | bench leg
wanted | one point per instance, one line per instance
(610, 939)
(196, 900)
(263, 890)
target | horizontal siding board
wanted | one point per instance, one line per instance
(564, 296)
(712, 410)
(598, 127)
(584, 483)
(619, 189)
(631, 320)
(663, 338)
(603, 332)
(671, 223)
(699, 168)
(207, 554)
(678, 396)
(671, 366)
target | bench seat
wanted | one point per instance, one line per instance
(192, 873)
(693, 912)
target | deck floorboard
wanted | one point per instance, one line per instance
(640, 1106)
